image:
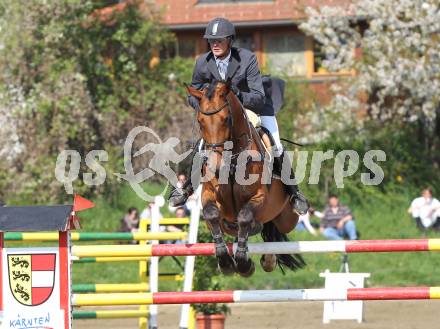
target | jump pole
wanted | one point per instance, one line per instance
(154, 263)
(169, 221)
(186, 313)
(109, 287)
(110, 314)
(208, 249)
(86, 260)
(255, 296)
(96, 236)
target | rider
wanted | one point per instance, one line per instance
(240, 65)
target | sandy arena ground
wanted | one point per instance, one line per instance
(378, 315)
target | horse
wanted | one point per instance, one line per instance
(245, 208)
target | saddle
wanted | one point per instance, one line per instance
(266, 137)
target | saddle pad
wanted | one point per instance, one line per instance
(253, 118)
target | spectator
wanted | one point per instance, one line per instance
(180, 213)
(304, 222)
(146, 213)
(337, 221)
(130, 222)
(181, 180)
(425, 210)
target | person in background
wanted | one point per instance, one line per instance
(130, 222)
(181, 180)
(426, 210)
(180, 213)
(146, 213)
(337, 221)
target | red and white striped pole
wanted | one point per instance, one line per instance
(252, 296)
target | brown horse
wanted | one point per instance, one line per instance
(232, 203)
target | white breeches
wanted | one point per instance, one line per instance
(270, 123)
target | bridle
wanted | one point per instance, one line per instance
(219, 146)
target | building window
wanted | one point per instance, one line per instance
(186, 47)
(245, 41)
(285, 53)
(318, 58)
(183, 46)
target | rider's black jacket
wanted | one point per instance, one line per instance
(242, 70)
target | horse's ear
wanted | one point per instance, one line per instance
(193, 91)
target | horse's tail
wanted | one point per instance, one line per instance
(270, 233)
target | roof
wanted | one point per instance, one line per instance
(35, 218)
(194, 13)
(42, 218)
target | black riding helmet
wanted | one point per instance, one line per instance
(219, 28)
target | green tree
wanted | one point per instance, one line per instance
(72, 78)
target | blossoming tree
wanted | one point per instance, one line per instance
(398, 59)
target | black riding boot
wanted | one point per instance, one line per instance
(178, 196)
(297, 199)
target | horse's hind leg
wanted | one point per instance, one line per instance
(245, 218)
(226, 263)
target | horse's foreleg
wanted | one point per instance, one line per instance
(226, 263)
(245, 220)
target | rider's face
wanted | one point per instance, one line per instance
(219, 47)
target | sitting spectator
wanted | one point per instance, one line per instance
(337, 221)
(180, 213)
(130, 222)
(426, 210)
(304, 222)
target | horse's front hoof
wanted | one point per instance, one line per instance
(227, 265)
(245, 265)
(247, 270)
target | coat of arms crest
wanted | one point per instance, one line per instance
(31, 277)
